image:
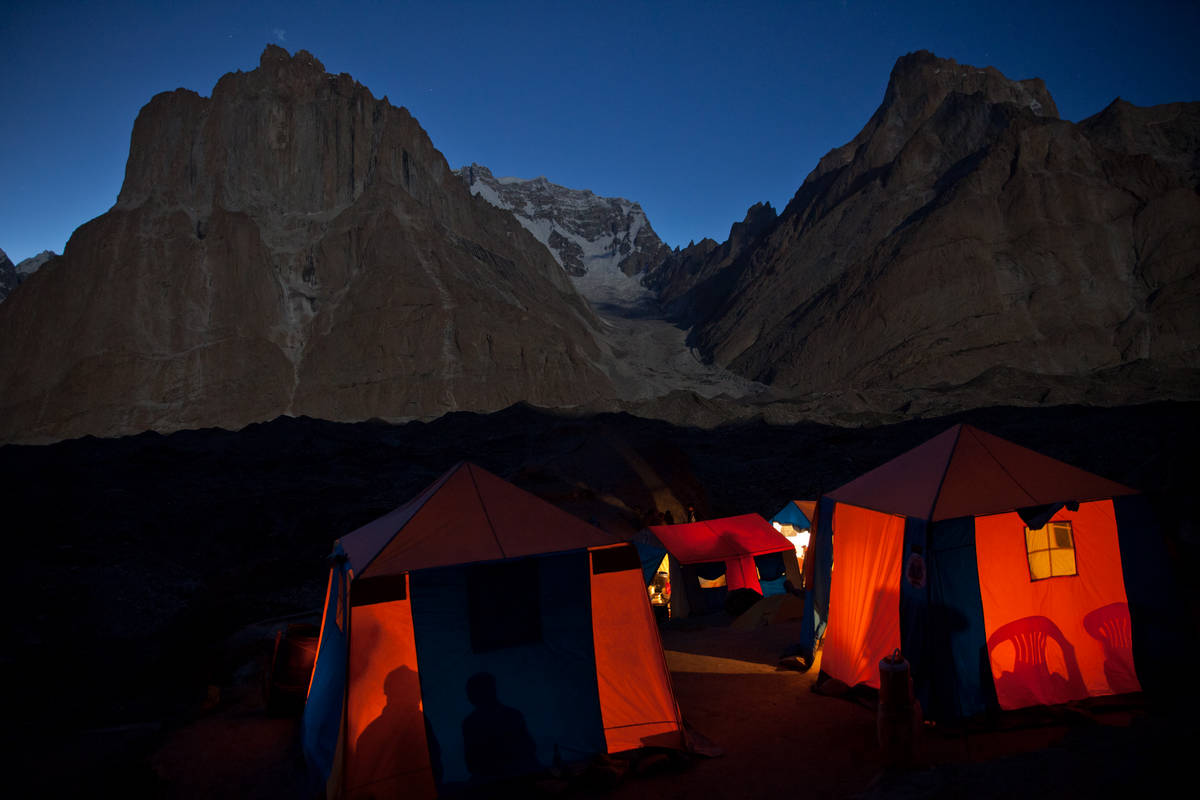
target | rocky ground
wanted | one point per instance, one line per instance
(143, 566)
(650, 356)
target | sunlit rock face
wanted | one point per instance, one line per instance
(291, 245)
(966, 229)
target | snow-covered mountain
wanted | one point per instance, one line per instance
(11, 275)
(603, 243)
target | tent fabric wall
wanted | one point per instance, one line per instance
(864, 601)
(385, 747)
(742, 573)
(636, 699)
(1066, 663)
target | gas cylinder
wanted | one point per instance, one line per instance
(899, 716)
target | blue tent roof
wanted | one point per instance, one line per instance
(792, 515)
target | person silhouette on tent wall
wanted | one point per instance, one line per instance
(386, 735)
(496, 742)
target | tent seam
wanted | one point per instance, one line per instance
(945, 471)
(486, 515)
(1000, 464)
(428, 492)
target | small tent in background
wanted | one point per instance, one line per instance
(708, 559)
(1006, 577)
(798, 514)
(796, 521)
(478, 632)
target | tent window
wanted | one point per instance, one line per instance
(711, 574)
(1051, 551)
(504, 605)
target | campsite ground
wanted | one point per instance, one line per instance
(781, 739)
(778, 737)
(140, 564)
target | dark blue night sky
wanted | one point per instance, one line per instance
(695, 109)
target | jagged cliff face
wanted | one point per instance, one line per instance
(692, 283)
(8, 275)
(289, 245)
(586, 233)
(968, 229)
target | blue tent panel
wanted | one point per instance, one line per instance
(322, 719)
(545, 671)
(958, 673)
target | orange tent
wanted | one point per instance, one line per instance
(477, 633)
(996, 570)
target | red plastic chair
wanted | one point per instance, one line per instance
(1110, 625)
(1031, 682)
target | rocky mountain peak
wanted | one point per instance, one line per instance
(608, 240)
(966, 231)
(287, 136)
(289, 245)
(919, 85)
(921, 79)
(275, 61)
(759, 218)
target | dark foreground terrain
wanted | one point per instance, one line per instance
(146, 573)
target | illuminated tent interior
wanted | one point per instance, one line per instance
(796, 521)
(476, 633)
(1006, 578)
(710, 558)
